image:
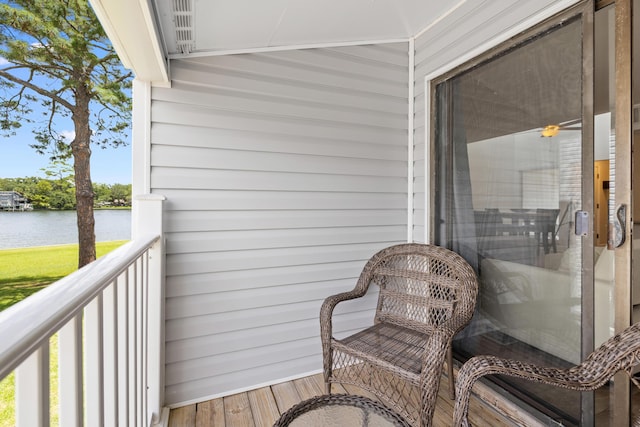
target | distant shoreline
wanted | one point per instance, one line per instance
(109, 208)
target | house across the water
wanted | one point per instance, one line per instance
(13, 201)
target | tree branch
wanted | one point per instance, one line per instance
(36, 89)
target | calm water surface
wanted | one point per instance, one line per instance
(44, 228)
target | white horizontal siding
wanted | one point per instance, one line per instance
(189, 285)
(199, 221)
(200, 242)
(239, 161)
(172, 135)
(241, 321)
(207, 199)
(199, 263)
(466, 32)
(201, 346)
(263, 374)
(284, 172)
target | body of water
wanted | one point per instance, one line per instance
(45, 228)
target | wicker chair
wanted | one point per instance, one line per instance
(427, 294)
(621, 352)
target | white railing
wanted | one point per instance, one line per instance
(109, 320)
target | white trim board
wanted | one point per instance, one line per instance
(203, 53)
(410, 142)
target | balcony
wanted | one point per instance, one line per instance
(109, 319)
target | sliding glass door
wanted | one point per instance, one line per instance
(514, 167)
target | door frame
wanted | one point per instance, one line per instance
(586, 8)
(623, 125)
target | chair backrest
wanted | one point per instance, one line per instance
(422, 287)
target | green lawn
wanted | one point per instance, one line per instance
(27, 270)
(23, 272)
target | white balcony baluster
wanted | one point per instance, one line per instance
(32, 389)
(70, 373)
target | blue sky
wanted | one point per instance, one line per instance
(18, 160)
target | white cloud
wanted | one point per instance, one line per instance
(68, 135)
(3, 61)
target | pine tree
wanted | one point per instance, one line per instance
(56, 64)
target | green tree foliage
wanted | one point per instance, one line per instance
(102, 194)
(61, 181)
(39, 195)
(113, 195)
(57, 192)
(121, 194)
(58, 57)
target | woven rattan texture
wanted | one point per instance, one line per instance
(619, 353)
(427, 294)
(321, 402)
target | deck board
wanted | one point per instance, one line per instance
(262, 407)
(237, 410)
(210, 413)
(183, 416)
(307, 388)
(286, 395)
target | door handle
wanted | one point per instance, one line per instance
(617, 229)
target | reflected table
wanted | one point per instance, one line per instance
(340, 410)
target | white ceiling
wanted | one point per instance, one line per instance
(228, 25)
(144, 32)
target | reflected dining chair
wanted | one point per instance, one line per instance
(426, 295)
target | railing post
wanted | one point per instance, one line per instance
(71, 411)
(94, 363)
(147, 219)
(32, 390)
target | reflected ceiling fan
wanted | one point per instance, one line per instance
(553, 129)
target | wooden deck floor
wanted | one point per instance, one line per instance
(262, 407)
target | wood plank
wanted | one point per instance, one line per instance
(443, 414)
(337, 388)
(183, 416)
(263, 407)
(286, 395)
(210, 413)
(319, 380)
(307, 388)
(237, 410)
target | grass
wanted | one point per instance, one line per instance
(25, 271)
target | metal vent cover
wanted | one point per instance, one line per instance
(183, 19)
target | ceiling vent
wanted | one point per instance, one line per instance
(183, 18)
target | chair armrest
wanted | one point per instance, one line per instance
(479, 366)
(329, 304)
